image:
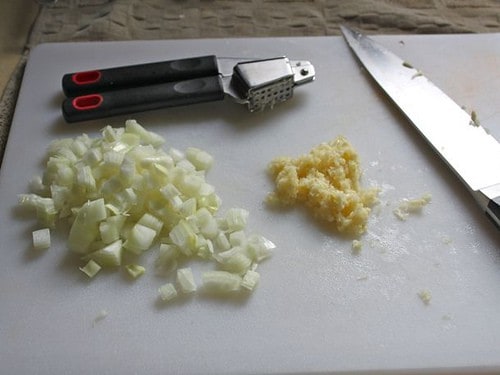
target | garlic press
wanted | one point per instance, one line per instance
(257, 83)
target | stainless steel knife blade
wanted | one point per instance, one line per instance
(467, 148)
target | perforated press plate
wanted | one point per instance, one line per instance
(269, 95)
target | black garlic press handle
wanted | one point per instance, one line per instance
(144, 98)
(101, 80)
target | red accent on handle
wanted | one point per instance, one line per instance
(86, 102)
(85, 78)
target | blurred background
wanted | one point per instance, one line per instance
(17, 17)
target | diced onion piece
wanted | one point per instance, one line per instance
(37, 186)
(152, 222)
(167, 292)
(128, 199)
(167, 259)
(221, 281)
(236, 219)
(237, 238)
(41, 239)
(126, 143)
(113, 159)
(190, 184)
(139, 239)
(212, 202)
(78, 146)
(259, 248)
(110, 134)
(132, 126)
(91, 268)
(183, 236)
(60, 195)
(221, 242)
(111, 186)
(85, 228)
(188, 207)
(234, 260)
(172, 195)
(108, 256)
(135, 270)
(95, 211)
(44, 207)
(101, 316)
(206, 190)
(110, 228)
(185, 279)
(85, 179)
(250, 280)
(205, 247)
(207, 223)
(58, 144)
(185, 166)
(66, 154)
(176, 154)
(202, 160)
(93, 156)
(239, 263)
(127, 171)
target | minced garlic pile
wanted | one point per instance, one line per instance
(327, 181)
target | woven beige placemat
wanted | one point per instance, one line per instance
(100, 20)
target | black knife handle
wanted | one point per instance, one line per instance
(101, 80)
(489, 200)
(145, 98)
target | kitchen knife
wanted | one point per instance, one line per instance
(466, 147)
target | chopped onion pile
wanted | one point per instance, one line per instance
(123, 194)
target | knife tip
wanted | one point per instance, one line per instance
(344, 29)
(349, 33)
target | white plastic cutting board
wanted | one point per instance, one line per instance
(319, 308)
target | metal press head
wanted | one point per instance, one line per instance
(264, 83)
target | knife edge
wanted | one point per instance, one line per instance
(468, 149)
